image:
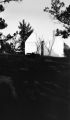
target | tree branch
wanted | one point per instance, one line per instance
(4, 1)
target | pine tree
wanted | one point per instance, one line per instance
(25, 31)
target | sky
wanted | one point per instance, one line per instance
(42, 23)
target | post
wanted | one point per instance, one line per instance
(42, 48)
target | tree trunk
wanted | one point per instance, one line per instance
(23, 47)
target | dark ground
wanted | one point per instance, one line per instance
(41, 95)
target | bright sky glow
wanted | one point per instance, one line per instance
(32, 12)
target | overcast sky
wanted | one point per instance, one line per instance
(32, 12)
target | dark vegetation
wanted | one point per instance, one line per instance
(25, 31)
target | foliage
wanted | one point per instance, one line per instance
(15, 33)
(1, 8)
(56, 5)
(62, 16)
(2, 24)
(9, 37)
(25, 31)
(4, 1)
(2, 21)
(9, 48)
(5, 46)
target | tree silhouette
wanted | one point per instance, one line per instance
(25, 31)
(4, 1)
(56, 5)
(1, 8)
(4, 45)
(2, 24)
(2, 21)
(8, 48)
(9, 36)
(63, 16)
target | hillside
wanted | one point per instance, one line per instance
(32, 62)
(40, 87)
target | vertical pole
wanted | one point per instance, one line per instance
(42, 48)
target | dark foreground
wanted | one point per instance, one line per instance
(43, 95)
